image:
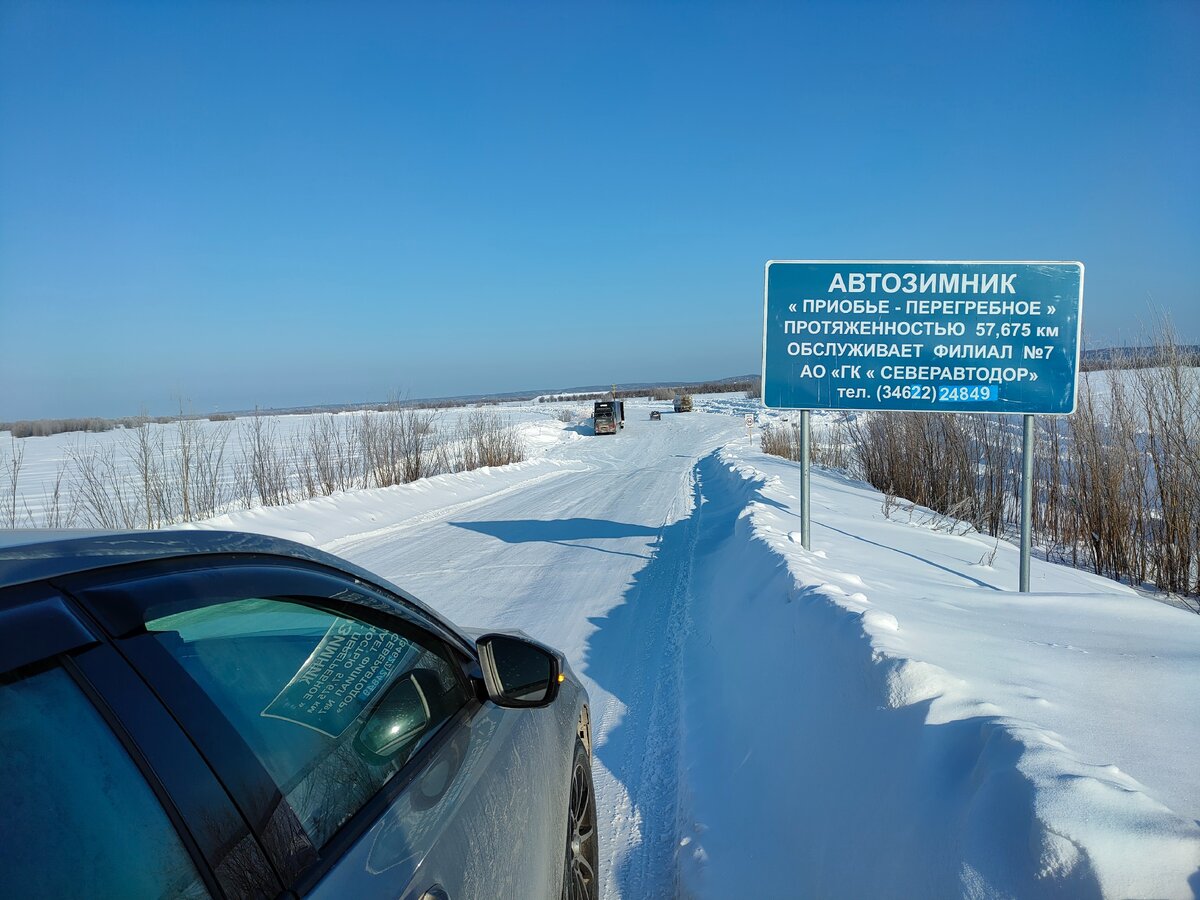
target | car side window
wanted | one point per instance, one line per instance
(331, 705)
(78, 814)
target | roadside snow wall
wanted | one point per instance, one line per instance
(813, 766)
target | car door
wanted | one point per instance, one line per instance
(101, 792)
(345, 726)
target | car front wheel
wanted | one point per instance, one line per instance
(582, 860)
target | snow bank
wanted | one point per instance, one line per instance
(885, 716)
(327, 522)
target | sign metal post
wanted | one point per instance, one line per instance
(805, 482)
(1026, 500)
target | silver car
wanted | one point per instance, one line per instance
(199, 713)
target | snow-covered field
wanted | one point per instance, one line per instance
(881, 716)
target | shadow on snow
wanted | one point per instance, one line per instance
(563, 532)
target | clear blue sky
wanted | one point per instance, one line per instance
(291, 203)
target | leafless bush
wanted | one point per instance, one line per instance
(144, 445)
(399, 445)
(1170, 395)
(46, 427)
(60, 505)
(1134, 445)
(989, 558)
(265, 472)
(11, 472)
(207, 492)
(828, 445)
(781, 440)
(183, 463)
(953, 464)
(1107, 481)
(107, 499)
(330, 441)
(484, 439)
(831, 445)
(1116, 485)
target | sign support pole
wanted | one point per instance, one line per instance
(1026, 500)
(805, 484)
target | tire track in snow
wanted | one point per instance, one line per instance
(641, 725)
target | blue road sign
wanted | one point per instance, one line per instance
(953, 336)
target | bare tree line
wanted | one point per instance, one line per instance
(149, 477)
(1116, 484)
(750, 387)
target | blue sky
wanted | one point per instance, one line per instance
(277, 204)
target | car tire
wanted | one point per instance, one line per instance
(581, 868)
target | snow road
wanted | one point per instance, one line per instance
(595, 561)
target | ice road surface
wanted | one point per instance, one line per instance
(883, 716)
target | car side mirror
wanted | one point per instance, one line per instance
(517, 671)
(401, 715)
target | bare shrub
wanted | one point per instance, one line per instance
(989, 557)
(106, 497)
(1116, 485)
(485, 439)
(828, 445)
(144, 446)
(781, 440)
(954, 464)
(1107, 479)
(265, 473)
(11, 473)
(331, 447)
(831, 445)
(60, 505)
(205, 464)
(46, 427)
(1170, 396)
(399, 445)
(183, 463)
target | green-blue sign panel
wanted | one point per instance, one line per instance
(961, 336)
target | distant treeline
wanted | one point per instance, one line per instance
(1138, 357)
(663, 392)
(47, 427)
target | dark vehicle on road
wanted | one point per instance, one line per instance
(608, 416)
(655, 415)
(215, 714)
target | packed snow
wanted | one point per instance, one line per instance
(883, 715)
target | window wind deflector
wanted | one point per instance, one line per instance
(40, 627)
